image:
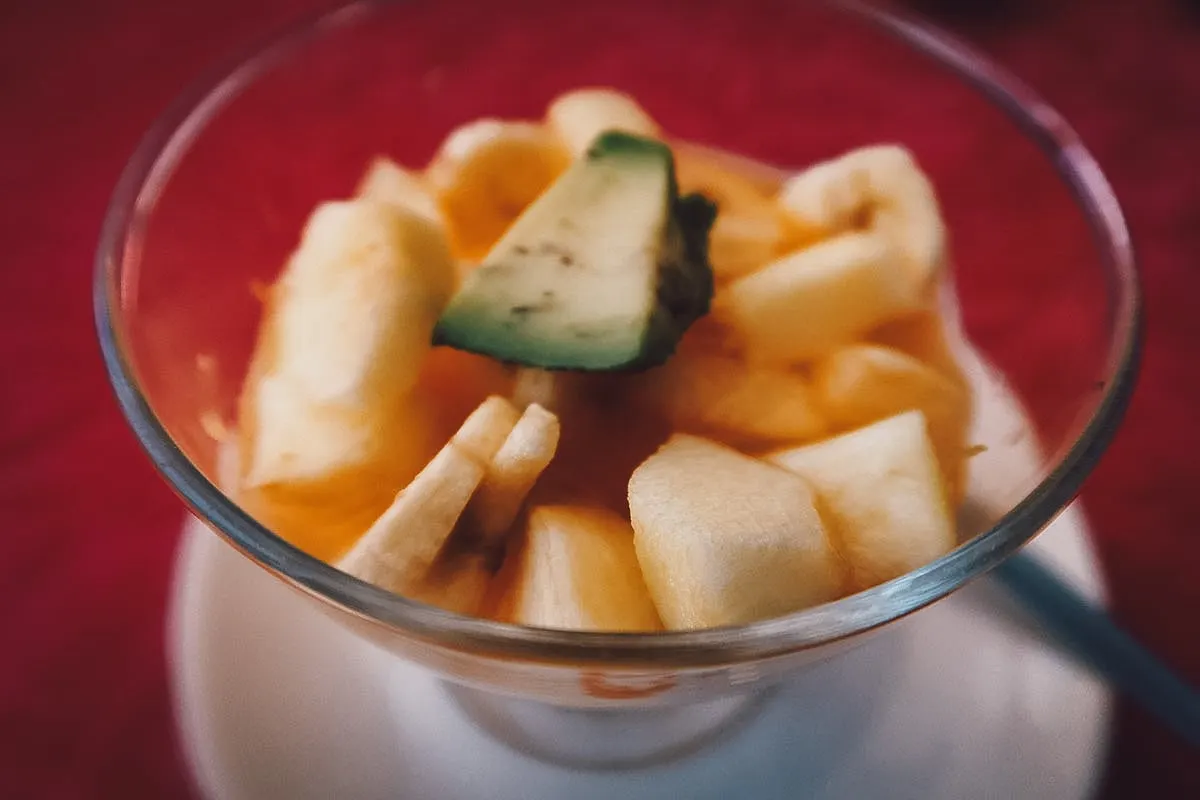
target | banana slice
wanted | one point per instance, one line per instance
(486, 173)
(879, 189)
(578, 117)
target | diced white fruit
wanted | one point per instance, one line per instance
(578, 117)
(730, 399)
(577, 570)
(816, 298)
(387, 182)
(862, 383)
(724, 539)
(880, 488)
(344, 335)
(401, 550)
(881, 189)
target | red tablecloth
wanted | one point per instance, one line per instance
(89, 529)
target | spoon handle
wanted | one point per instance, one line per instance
(1093, 637)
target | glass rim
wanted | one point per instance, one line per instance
(168, 139)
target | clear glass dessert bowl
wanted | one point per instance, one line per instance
(1044, 279)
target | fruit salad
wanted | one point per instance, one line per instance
(575, 373)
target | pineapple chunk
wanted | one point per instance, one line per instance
(816, 299)
(731, 400)
(484, 176)
(862, 383)
(576, 569)
(725, 539)
(880, 489)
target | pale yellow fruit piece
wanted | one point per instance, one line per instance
(815, 299)
(881, 494)
(387, 182)
(344, 334)
(725, 539)
(486, 173)
(923, 336)
(511, 474)
(731, 400)
(463, 575)
(401, 550)
(576, 569)
(862, 383)
(751, 228)
(879, 189)
(578, 117)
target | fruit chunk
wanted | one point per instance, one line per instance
(880, 489)
(751, 229)
(576, 569)
(387, 182)
(723, 538)
(578, 117)
(486, 173)
(731, 400)
(815, 299)
(863, 383)
(400, 552)
(326, 409)
(924, 337)
(605, 271)
(880, 189)
(511, 474)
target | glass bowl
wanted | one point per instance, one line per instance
(215, 197)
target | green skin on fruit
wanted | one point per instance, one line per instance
(605, 271)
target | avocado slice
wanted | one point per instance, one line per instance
(604, 271)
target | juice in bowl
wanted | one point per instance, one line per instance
(578, 412)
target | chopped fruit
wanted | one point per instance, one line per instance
(879, 189)
(724, 539)
(751, 229)
(326, 407)
(388, 182)
(923, 336)
(484, 385)
(605, 271)
(464, 571)
(486, 173)
(815, 299)
(730, 400)
(511, 474)
(863, 383)
(578, 117)
(576, 569)
(401, 551)
(880, 489)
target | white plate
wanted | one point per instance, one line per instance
(959, 701)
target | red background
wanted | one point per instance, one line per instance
(89, 529)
